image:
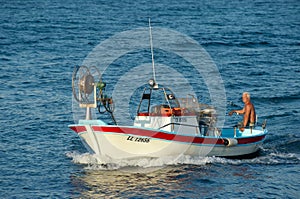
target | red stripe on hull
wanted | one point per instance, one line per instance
(250, 140)
(78, 129)
(175, 137)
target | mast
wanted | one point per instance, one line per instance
(152, 55)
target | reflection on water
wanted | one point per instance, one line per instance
(166, 182)
(181, 181)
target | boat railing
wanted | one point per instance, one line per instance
(197, 127)
(175, 123)
(172, 124)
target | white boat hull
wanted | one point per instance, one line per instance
(134, 142)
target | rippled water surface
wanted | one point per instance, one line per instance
(254, 44)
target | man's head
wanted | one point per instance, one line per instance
(246, 97)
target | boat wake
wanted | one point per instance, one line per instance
(103, 163)
(92, 162)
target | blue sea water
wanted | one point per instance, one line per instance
(255, 45)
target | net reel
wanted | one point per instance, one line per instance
(104, 103)
(89, 91)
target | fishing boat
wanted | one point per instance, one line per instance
(164, 125)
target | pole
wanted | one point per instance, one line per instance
(152, 56)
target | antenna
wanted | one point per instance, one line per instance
(151, 46)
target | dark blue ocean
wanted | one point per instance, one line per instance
(255, 46)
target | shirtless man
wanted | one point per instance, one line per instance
(248, 111)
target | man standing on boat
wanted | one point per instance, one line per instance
(248, 111)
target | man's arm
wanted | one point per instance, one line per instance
(242, 111)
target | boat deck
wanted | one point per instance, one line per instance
(230, 132)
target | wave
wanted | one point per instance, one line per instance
(239, 43)
(259, 73)
(95, 162)
(92, 162)
(255, 44)
(285, 143)
(288, 98)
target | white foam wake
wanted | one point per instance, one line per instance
(94, 162)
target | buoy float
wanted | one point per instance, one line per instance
(230, 142)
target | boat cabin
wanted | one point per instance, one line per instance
(160, 109)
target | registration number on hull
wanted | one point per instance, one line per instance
(138, 139)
